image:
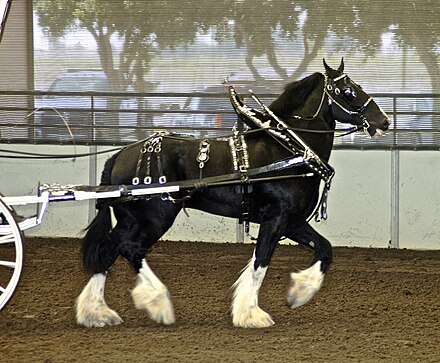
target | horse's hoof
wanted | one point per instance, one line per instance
(304, 285)
(98, 318)
(157, 303)
(256, 318)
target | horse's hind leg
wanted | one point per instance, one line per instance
(99, 253)
(150, 293)
(91, 308)
(305, 284)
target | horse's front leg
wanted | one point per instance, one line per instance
(305, 284)
(245, 310)
(151, 295)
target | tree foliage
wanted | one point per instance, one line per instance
(149, 26)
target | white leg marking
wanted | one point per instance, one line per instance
(91, 308)
(152, 295)
(304, 285)
(245, 310)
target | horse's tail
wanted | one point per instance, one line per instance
(97, 245)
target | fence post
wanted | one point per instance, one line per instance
(395, 191)
(239, 231)
(93, 161)
(395, 183)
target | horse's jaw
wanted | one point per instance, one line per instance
(374, 131)
(379, 132)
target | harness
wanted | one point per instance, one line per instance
(203, 156)
(239, 153)
(280, 131)
(244, 176)
(152, 145)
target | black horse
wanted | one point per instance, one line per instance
(280, 206)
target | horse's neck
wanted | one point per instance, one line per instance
(317, 116)
(314, 105)
(304, 106)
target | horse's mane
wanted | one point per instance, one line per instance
(294, 95)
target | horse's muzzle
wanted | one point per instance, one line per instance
(386, 124)
(378, 130)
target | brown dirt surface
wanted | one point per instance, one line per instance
(376, 305)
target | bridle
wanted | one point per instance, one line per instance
(331, 88)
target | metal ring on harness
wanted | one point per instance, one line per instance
(203, 155)
(148, 180)
(165, 197)
(162, 179)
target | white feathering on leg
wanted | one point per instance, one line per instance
(304, 285)
(152, 295)
(244, 309)
(91, 308)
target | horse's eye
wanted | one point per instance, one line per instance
(350, 92)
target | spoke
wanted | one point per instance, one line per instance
(10, 264)
(8, 238)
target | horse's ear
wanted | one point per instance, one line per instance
(341, 66)
(332, 73)
(326, 66)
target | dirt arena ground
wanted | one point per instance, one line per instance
(375, 305)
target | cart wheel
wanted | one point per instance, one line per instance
(11, 253)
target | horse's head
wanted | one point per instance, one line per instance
(349, 102)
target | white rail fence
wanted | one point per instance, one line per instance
(378, 198)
